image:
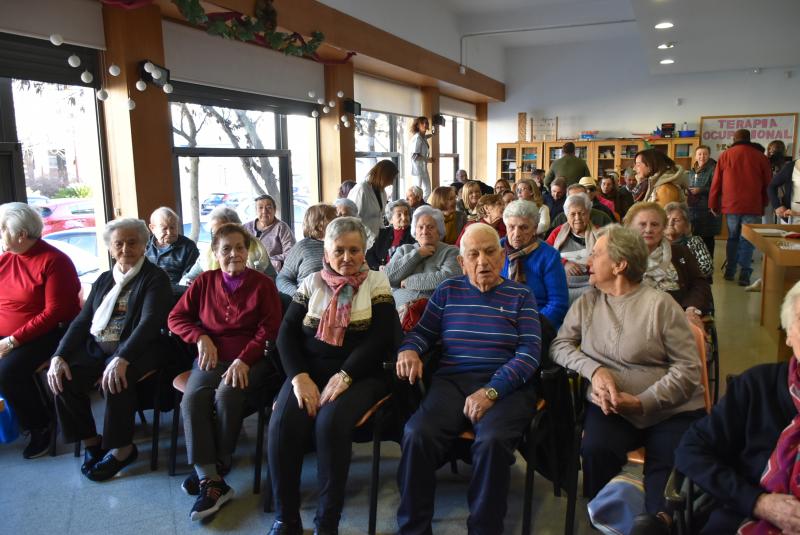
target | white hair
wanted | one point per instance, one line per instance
(788, 316)
(225, 214)
(343, 225)
(389, 211)
(416, 190)
(166, 213)
(124, 224)
(19, 217)
(476, 228)
(351, 209)
(524, 209)
(579, 199)
(426, 210)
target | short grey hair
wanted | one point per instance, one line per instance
(427, 210)
(389, 211)
(225, 214)
(165, 212)
(474, 229)
(126, 223)
(343, 225)
(524, 209)
(627, 244)
(416, 190)
(788, 306)
(351, 209)
(19, 217)
(579, 199)
(678, 206)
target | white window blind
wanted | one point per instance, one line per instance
(457, 108)
(388, 97)
(80, 22)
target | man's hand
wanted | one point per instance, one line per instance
(604, 390)
(55, 374)
(476, 405)
(409, 365)
(781, 510)
(114, 380)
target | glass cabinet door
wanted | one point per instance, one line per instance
(606, 158)
(683, 151)
(529, 159)
(627, 156)
(507, 163)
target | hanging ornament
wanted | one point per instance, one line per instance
(141, 85)
(102, 95)
(336, 127)
(325, 109)
(87, 77)
(156, 73)
(331, 103)
(347, 124)
(148, 66)
(131, 104)
(311, 94)
(315, 114)
(340, 94)
(56, 39)
(74, 61)
(114, 70)
(168, 88)
(343, 118)
(321, 101)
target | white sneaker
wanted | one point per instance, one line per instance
(755, 287)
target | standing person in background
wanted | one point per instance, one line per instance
(666, 181)
(785, 189)
(420, 151)
(739, 190)
(276, 236)
(704, 224)
(569, 166)
(370, 197)
(461, 178)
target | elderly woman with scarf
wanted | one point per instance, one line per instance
(534, 263)
(331, 342)
(574, 241)
(670, 267)
(397, 233)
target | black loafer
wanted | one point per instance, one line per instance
(108, 466)
(647, 524)
(286, 528)
(91, 456)
(326, 531)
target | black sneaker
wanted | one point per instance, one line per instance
(213, 494)
(109, 466)
(191, 485)
(39, 444)
(286, 528)
(744, 281)
(91, 456)
(729, 276)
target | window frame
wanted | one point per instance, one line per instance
(391, 154)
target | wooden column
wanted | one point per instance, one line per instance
(139, 140)
(481, 144)
(337, 147)
(430, 107)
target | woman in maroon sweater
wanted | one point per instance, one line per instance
(230, 313)
(38, 291)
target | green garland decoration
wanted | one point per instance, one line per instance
(259, 29)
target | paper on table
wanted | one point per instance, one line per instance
(792, 246)
(771, 232)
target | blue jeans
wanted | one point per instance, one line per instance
(739, 250)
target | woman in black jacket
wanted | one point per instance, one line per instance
(113, 341)
(704, 223)
(398, 214)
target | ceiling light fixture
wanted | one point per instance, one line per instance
(664, 25)
(667, 61)
(665, 46)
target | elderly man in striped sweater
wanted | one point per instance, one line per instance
(489, 329)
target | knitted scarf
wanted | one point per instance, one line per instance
(782, 473)
(336, 317)
(661, 274)
(516, 271)
(563, 233)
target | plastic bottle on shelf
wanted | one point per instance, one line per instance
(685, 126)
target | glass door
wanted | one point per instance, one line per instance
(605, 158)
(627, 156)
(529, 160)
(507, 161)
(683, 151)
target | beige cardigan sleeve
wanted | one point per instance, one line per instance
(565, 349)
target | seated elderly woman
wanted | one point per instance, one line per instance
(275, 235)
(679, 230)
(230, 314)
(345, 208)
(257, 256)
(574, 241)
(443, 198)
(390, 238)
(484, 379)
(167, 248)
(415, 270)
(490, 209)
(40, 291)
(744, 454)
(670, 267)
(115, 340)
(331, 342)
(635, 346)
(305, 257)
(536, 264)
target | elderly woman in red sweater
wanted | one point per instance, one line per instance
(230, 313)
(38, 290)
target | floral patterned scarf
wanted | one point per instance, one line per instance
(336, 317)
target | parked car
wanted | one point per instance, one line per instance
(87, 265)
(203, 237)
(64, 214)
(38, 200)
(217, 199)
(83, 238)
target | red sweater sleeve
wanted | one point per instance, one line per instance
(61, 302)
(551, 239)
(184, 320)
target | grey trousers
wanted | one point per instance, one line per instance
(209, 436)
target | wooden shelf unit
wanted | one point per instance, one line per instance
(517, 161)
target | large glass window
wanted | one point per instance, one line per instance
(455, 148)
(382, 136)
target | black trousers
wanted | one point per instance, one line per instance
(17, 384)
(73, 405)
(608, 439)
(431, 433)
(290, 435)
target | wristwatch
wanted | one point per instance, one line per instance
(10, 342)
(491, 394)
(346, 377)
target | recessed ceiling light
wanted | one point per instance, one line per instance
(664, 25)
(667, 61)
(664, 46)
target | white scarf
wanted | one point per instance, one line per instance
(103, 313)
(661, 274)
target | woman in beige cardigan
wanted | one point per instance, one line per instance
(635, 345)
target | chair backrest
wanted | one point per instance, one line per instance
(700, 340)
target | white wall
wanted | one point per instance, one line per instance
(428, 24)
(605, 86)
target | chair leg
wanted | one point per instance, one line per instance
(262, 417)
(173, 439)
(141, 417)
(78, 448)
(572, 482)
(156, 425)
(530, 470)
(454, 466)
(377, 428)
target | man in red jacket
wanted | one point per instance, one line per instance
(739, 190)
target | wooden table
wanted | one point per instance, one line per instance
(781, 271)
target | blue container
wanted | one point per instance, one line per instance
(9, 427)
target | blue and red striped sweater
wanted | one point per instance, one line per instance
(492, 332)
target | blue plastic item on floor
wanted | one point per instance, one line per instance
(9, 428)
